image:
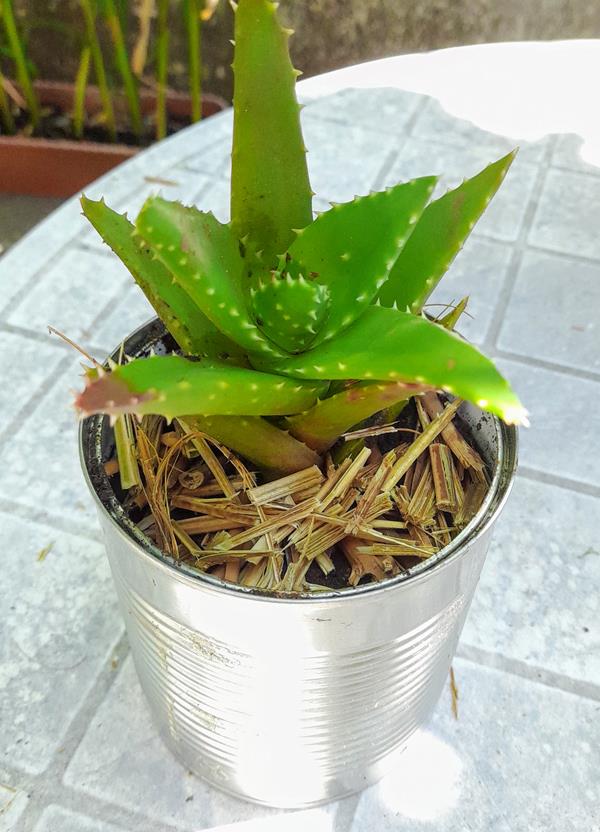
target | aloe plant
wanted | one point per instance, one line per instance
(298, 328)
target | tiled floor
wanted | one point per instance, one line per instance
(19, 213)
(78, 752)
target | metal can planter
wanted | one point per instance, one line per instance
(292, 701)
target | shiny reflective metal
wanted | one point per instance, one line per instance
(292, 702)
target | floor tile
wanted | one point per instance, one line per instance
(520, 758)
(40, 464)
(188, 143)
(25, 365)
(216, 199)
(479, 271)
(26, 259)
(537, 600)
(563, 438)
(386, 109)
(344, 164)
(436, 123)
(122, 757)
(568, 331)
(574, 153)
(57, 819)
(213, 161)
(12, 806)
(21, 212)
(71, 294)
(568, 214)
(123, 318)
(504, 217)
(177, 185)
(60, 625)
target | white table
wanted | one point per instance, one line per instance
(77, 750)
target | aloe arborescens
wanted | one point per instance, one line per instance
(289, 327)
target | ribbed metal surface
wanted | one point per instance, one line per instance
(292, 702)
(267, 723)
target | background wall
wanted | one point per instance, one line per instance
(329, 33)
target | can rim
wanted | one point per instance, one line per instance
(90, 455)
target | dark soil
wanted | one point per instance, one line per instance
(55, 124)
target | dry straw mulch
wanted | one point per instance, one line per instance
(385, 498)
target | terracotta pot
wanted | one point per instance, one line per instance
(62, 167)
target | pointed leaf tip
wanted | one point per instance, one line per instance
(438, 236)
(270, 192)
(386, 344)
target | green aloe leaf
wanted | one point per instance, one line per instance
(257, 440)
(190, 328)
(352, 248)
(290, 309)
(438, 237)
(322, 425)
(389, 345)
(173, 386)
(270, 190)
(203, 256)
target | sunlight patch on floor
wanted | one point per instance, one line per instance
(425, 785)
(533, 99)
(311, 820)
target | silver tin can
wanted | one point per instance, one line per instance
(292, 701)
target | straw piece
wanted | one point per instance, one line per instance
(285, 518)
(420, 536)
(365, 564)
(443, 532)
(252, 573)
(270, 492)
(474, 495)
(371, 492)
(247, 515)
(420, 444)
(364, 433)
(193, 478)
(421, 508)
(402, 548)
(200, 525)
(444, 477)
(207, 454)
(320, 541)
(463, 451)
(340, 484)
(232, 571)
(184, 538)
(453, 693)
(293, 580)
(325, 563)
(388, 524)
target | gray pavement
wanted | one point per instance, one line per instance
(19, 213)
